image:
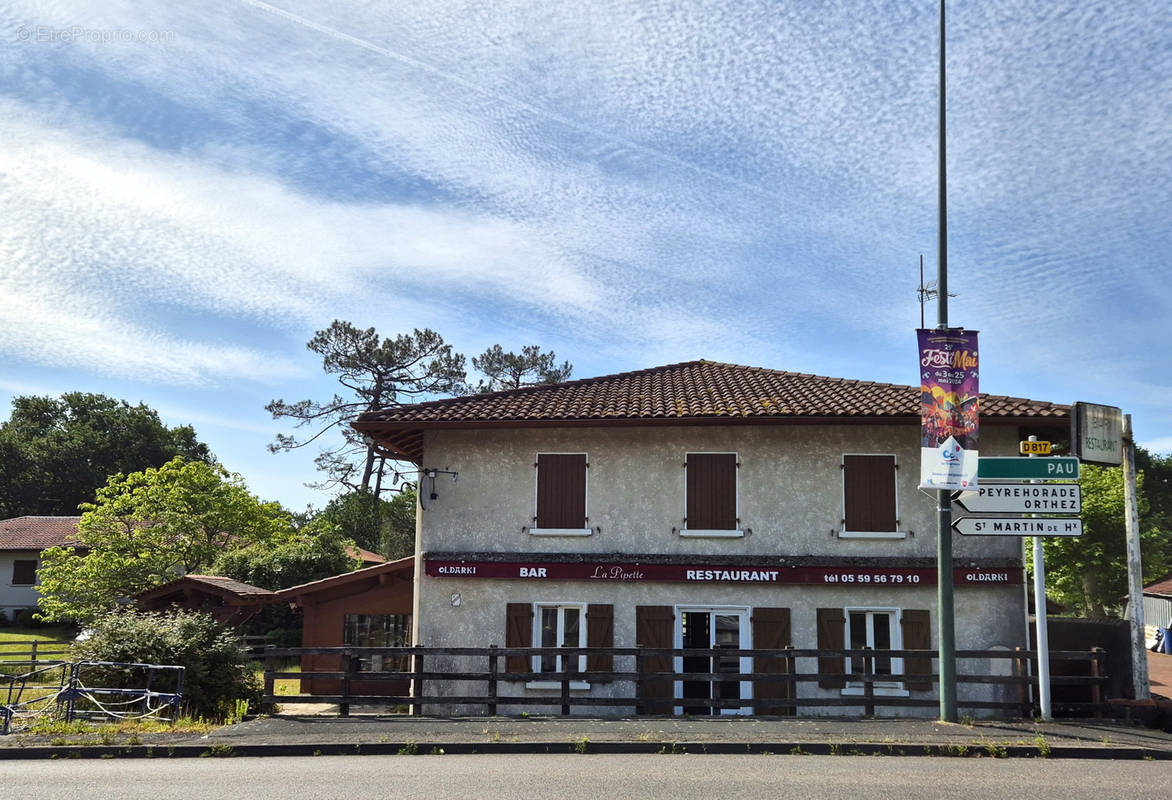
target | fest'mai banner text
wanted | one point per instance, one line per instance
(949, 408)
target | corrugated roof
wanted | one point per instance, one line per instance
(694, 391)
(402, 566)
(37, 533)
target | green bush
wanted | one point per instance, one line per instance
(218, 672)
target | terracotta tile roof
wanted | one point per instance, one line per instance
(37, 533)
(694, 391)
(227, 584)
(1161, 588)
(365, 556)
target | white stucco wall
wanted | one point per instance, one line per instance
(16, 598)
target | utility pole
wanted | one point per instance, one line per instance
(1139, 654)
(945, 616)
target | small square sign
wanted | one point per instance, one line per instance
(1097, 434)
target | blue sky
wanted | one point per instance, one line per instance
(189, 191)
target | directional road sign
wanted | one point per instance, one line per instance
(1018, 526)
(1058, 468)
(1022, 498)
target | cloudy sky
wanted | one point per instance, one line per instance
(189, 190)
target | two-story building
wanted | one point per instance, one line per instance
(697, 505)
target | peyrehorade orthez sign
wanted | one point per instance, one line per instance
(949, 408)
(700, 573)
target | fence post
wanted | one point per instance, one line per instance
(34, 653)
(1097, 672)
(492, 669)
(640, 708)
(566, 670)
(1020, 671)
(270, 668)
(868, 683)
(790, 664)
(347, 668)
(417, 681)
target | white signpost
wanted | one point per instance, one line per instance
(1018, 526)
(1016, 498)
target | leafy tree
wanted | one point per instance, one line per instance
(530, 367)
(377, 373)
(318, 550)
(146, 529)
(1089, 573)
(56, 452)
(384, 526)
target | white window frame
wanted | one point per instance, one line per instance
(713, 533)
(535, 531)
(843, 533)
(746, 663)
(582, 639)
(890, 688)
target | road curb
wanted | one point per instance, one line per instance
(583, 747)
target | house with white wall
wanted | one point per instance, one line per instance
(698, 505)
(21, 541)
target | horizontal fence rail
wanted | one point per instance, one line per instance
(417, 667)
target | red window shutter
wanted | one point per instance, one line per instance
(24, 572)
(869, 493)
(600, 633)
(518, 633)
(831, 636)
(771, 631)
(917, 635)
(712, 491)
(654, 627)
(561, 491)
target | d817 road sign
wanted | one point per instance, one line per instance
(1022, 498)
(1059, 468)
(1018, 526)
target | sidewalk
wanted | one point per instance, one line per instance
(374, 735)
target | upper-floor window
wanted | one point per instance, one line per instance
(24, 572)
(869, 497)
(561, 495)
(710, 495)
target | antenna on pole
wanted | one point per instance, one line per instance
(927, 291)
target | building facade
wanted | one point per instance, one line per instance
(698, 505)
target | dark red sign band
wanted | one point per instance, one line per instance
(684, 573)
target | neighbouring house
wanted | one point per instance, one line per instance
(368, 558)
(22, 539)
(229, 601)
(369, 607)
(1157, 605)
(699, 505)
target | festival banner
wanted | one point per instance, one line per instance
(949, 408)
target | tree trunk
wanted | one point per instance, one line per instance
(1090, 589)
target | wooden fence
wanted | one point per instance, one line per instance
(652, 669)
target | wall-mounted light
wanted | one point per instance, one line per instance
(427, 478)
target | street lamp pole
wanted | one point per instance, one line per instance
(946, 629)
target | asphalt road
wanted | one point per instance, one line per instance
(589, 777)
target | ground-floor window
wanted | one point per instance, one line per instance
(874, 629)
(377, 630)
(561, 625)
